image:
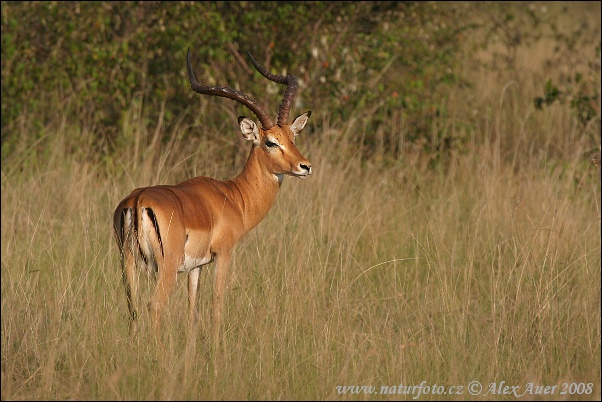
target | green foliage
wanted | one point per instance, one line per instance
(583, 99)
(551, 95)
(92, 59)
(573, 66)
(391, 67)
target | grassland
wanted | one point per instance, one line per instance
(483, 268)
(359, 276)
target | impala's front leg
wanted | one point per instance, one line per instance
(221, 273)
(193, 285)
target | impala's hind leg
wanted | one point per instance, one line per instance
(128, 247)
(165, 285)
(165, 247)
(130, 279)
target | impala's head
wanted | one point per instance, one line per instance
(277, 146)
(276, 142)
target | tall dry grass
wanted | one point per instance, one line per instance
(485, 269)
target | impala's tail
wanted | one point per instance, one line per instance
(138, 234)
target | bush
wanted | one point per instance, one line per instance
(385, 68)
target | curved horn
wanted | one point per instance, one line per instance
(228, 92)
(289, 94)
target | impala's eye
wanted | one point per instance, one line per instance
(270, 144)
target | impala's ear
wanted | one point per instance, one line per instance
(249, 129)
(300, 122)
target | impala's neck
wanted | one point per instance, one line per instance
(258, 189)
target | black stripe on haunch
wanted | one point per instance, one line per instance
(153, 218)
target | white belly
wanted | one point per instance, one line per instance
(191, 263)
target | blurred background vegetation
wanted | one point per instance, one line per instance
(389, 69)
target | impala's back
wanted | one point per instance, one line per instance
(193, 220)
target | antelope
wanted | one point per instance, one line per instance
(167, 229)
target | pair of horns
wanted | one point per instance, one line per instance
(253, 105)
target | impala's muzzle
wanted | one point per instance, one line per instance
(303, 170)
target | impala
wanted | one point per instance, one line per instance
(166, 229)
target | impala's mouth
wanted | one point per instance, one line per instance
(301, 175)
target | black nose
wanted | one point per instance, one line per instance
(306, 167)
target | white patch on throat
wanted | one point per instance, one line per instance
(280, 177)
